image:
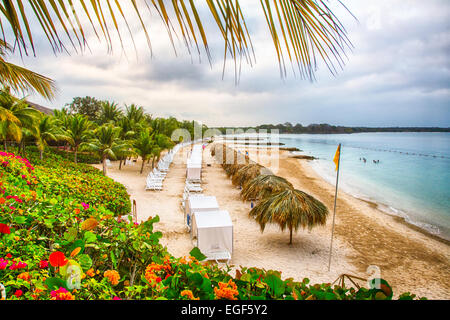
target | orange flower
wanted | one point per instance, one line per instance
(90, 272)
(75, 252)
(227, 290)
(76, 211)
(113, 276)
(152, 270)
(24, 276)
(36, 294)
(189, 295)
(89, 224)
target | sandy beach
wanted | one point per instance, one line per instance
(409, 259)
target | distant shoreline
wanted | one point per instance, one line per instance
(329, 129)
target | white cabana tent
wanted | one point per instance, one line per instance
(214, 233)
(199, 203)
(194, 163)
(193, 171)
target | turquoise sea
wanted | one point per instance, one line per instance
(411, 179)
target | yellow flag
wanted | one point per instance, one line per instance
(336, 156)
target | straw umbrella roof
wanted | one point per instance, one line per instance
(247, 173)
(290, 209)
(264, 185)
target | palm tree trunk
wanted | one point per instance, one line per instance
(41, 154)
(153, 163)
(22, 148)
(143, 162)
(76, 151)
(120, 164)
(104, 165)
(290, 235)
(4, 144)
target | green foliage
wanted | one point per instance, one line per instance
(88, 157)
(87, 106)
(196, 253)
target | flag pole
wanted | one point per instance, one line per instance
(334, 210)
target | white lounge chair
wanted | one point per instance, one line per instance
(154, 178)
(156, 172)
(218, 255)
(193, 188)
(153, 186)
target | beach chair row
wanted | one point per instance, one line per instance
(156, 177)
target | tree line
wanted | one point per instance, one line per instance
(325, 128)
(89, 125)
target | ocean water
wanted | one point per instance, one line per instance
(411, 180)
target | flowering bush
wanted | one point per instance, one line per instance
(60, 239)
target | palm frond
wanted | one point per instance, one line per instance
(23, 80)
(301, 30)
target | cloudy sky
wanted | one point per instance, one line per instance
(398, 73)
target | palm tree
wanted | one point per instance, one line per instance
(48, 131)
(110, 112)
(144, 146)
(134, 113)
(15, 115)
(23, 80)
(78, 132)
(301, 31)
(290, 209)
(162, 142)
(264, 186)
(127, 132)
(106, 143)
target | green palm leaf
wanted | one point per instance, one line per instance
(23, 80)
(301, 30)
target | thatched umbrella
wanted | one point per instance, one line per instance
(233, 168)
(247, 173)
(263, 186)
(290, 209)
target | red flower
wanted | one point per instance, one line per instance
(43, 264)
(18, 293)
(4, 229)
(58, 259)
(9, 255)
